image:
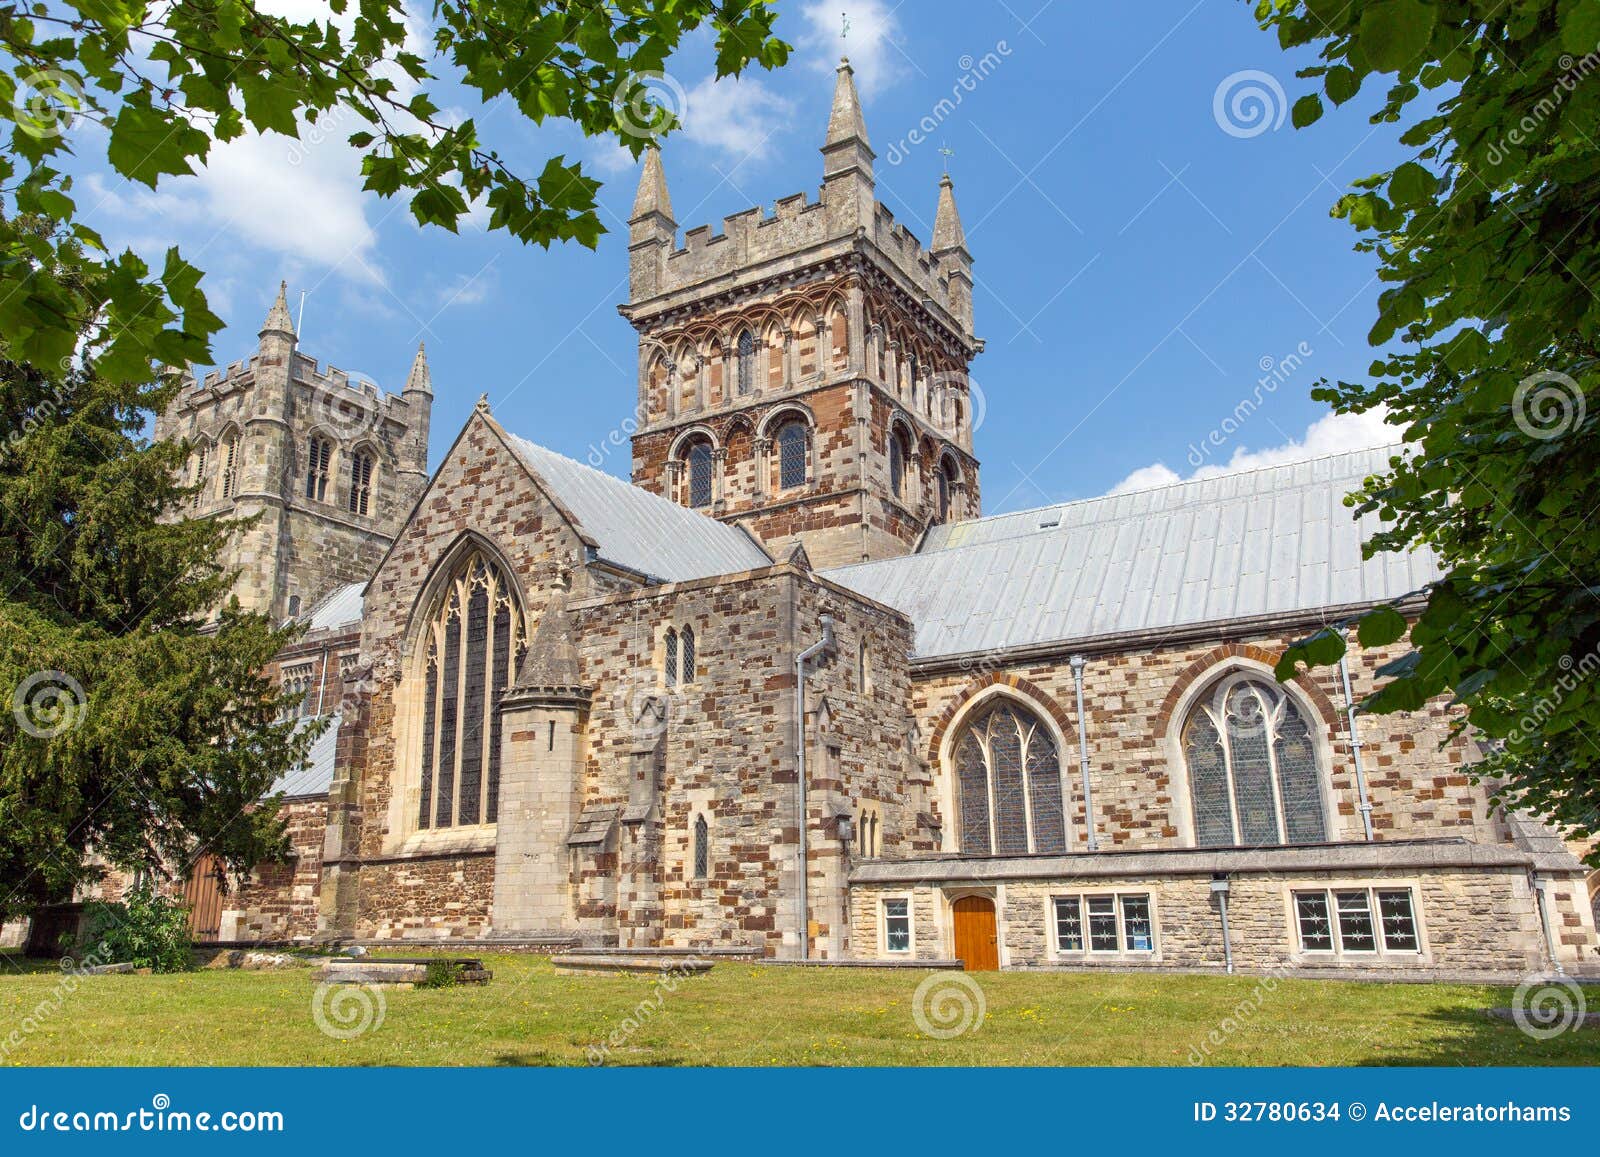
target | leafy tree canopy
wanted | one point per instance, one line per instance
(1488, 244)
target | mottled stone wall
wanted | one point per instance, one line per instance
(279, 901)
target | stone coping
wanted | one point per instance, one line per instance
(1209, 861)
(625, 962)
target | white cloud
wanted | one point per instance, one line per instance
(735, 116)
(1332, 434)
(870, 43)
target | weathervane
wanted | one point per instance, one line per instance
(946, 152)
(844, 31)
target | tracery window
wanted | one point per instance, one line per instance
(319, 457)
(746, 362)
(1008, 783)
(791, 454)
(1253, 774)
(699, 464)
(360, 500)
(472, 647)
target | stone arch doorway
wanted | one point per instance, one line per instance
(977, 940)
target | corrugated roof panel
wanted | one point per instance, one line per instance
(340, 607)
(315, 776)
(639, 530)
(1234, 546)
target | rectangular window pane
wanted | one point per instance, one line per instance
(1399, 921)
(1138, 935)
(1316, 928)
(1103, 923)
(1355, 922)
(897, 925)
(1069, 924)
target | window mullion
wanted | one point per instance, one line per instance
(464, 587)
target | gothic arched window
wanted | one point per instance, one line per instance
(360, 500)
(702, 848)
(197, 473)
(1253, 774)
(746, 362)
(699, 465)
(686, 655)
(473, 642)
(671, 661)
(1008, 783)
(319, 456)
(230, 465)
(897, 464)
(947, 485)
(791, 454)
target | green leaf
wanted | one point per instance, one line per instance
(1394, 33)
(1380, 627)
(1341, 83)
(1307, 110)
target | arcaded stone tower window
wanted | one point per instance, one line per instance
(197, 475)
(699, 460)
(319, 457)
(747, 362)
(702, 848)
(1253, 774)
(791, 454)
(472, 645)
(897, 464)
(360, 482)
(1008, 779)
(230, 465)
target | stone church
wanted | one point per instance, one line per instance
(790, 693)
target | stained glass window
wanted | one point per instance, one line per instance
(1253, 773)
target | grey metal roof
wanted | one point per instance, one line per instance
(637, 529)
(340, 607)
(315, 776)
(1262, 542)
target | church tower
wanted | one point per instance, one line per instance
(330, 466)
(805, 374)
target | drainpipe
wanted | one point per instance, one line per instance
(1541, 888)
(823, 644)
(1355, 748)
(1219, 889)
(1078, 662)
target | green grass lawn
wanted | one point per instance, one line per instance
(745, 1014)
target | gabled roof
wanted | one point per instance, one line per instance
(635, 529)
(315, 776)
(340, 607)
(1266, 542)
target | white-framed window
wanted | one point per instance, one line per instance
(1356, 921)
(1109, 923)
(897, 924)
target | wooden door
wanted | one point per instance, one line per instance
(202, 892)
(977, 944)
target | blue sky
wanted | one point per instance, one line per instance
(1146, 252)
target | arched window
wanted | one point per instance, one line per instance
(791, 454)
(686, 655)
(747, 362)
(474, 641)
(671, 661)
(1008, 783)
(319, 456)
(360, 501)
(702, 848)
(230, 465)
(947, 485)
(1253, 773)
(864, 668)
(699, 465)
(197, 472)
(897, 464)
